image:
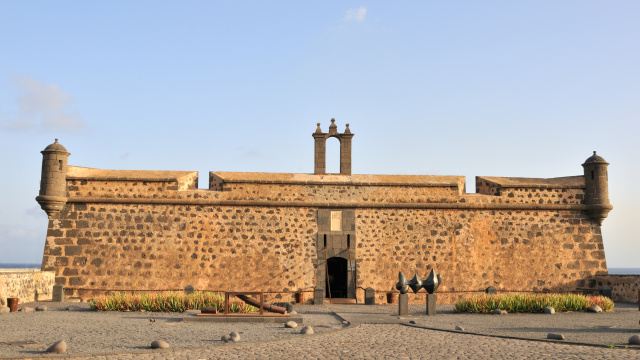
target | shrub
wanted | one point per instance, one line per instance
(531, 303)
(170, 302)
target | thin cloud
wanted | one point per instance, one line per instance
(356, 14)
(248, 152)
(42, 107)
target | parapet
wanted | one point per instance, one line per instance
(84, 181)
(567, 190)
(491, 185)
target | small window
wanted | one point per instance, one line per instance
(592, 177)
(60, 164)
(325, 241)
(348, 241)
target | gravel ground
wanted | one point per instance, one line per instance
(89, 332)
(610, 328)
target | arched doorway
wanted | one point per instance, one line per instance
(338, 277)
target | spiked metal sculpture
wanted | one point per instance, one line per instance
(430, 285)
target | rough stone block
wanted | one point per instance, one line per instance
(58, 293)
(318, 296)
(369, 296)
(403, 304)
(431, 304)
(71, 250)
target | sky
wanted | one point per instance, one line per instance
(491, 88)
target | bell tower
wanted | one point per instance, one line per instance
(53, 181)
(321, 152)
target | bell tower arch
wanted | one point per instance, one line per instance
(320, 148)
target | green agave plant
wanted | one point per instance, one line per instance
(169, 302)
(532, 303)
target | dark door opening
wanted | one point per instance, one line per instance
(337, 277)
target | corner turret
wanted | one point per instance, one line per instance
(597, 188)
(53, 181)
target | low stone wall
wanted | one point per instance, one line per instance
(26, 284)
(624, 288)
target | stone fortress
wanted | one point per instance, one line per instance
(283, 233)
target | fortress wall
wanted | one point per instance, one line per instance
(543, 196)
(136, 246)
(335, 193)
(486, 187)
(624, 288)
(26, 285)
(511, 250)
(272, 248)
(329, 193)
(122, 188)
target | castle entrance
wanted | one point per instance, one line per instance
(336, 264)
(337, 278)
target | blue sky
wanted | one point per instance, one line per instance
(501, 88)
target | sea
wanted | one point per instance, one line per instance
(624, 271)
(19, 266)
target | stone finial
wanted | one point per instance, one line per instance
(318, 130)
(333, 128)
(347, 131)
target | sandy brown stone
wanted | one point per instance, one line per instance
(59, 347)
(159, 344)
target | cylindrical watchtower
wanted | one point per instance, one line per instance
(53, 181)
(596, 195)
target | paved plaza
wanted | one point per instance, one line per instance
(341, 331)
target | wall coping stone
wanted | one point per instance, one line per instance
(351, 205)
(567, 182)
(341, 183)
(19, 271)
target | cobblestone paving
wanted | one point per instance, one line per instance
(395, 342)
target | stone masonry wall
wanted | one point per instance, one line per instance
(273, 249)
(624, 288)
(25, 284)
(169, 247)
(510, 250)
(130, 234)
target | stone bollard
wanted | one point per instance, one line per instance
(58, 293)
(431, 304)
(403, 304)
(491, 290)
(189, 289)
(369, 296)
(318, 296)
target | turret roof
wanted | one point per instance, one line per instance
(56, 146)
(595, 159)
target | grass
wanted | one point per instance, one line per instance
(531, 303)
(169, 302)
